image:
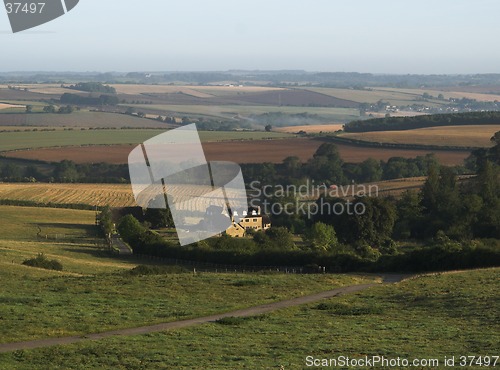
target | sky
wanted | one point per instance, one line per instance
(376, 36)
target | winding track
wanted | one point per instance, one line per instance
(246, 312)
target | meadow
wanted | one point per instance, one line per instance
(96, 292)
(428, 317)
(460, 136)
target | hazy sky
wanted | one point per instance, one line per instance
(380, 36)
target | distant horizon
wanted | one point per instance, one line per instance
(229, 71)
(446, 37)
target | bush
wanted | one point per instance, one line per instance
(43, 262)
(142, 270)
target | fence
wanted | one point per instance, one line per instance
(220, 268)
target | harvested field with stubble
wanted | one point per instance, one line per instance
(256, 151)
(8, 106)
(114, 195)
(463, 136)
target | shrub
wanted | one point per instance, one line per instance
(43, 262)
(142, 270)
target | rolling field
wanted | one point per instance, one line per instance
(365, 96)
(446, 94)
(91, 194)
(428, 317)
(95, 292)
(197, 91)
(256, 151)
(462, 136)
(230, 111)
(373, 95)
(397, 96)
(69, 236)
(79, 119)
(311, 129)
(8, 106)
(120, 195)
(46, 139)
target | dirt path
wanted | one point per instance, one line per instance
(123, 249)
(246, 312)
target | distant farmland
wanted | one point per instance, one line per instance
(257, 151)
(199, 91)
(311, 129)
(79, 119)
(61, 138)
(231, 111)
(120, 195)
(90, 194)
(460, 136)
(9, 106)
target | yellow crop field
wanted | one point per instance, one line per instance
(7, 106)
(464, 136)
(93, 194)
(113, 195)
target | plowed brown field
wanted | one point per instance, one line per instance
(256, 151)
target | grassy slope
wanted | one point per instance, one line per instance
(95, 293)
(428, 317)
(46, 139)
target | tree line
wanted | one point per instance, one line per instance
(93, 87)
(445, 225)
(64, 172)
(328, 167)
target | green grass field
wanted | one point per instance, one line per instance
(76, 120)
(427, 318)
(96, 293)
(47, 139)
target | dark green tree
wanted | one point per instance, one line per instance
(322, 237)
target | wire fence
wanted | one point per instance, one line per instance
(197, 266)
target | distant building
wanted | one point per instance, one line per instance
(250, 220)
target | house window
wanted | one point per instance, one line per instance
(254, 220)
